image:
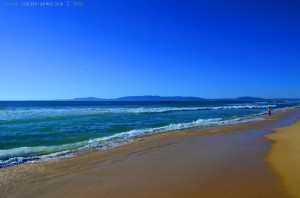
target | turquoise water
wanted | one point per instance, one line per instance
(32, 131)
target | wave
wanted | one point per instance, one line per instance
(20, 114)
(31, 154)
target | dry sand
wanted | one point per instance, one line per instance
(188, 164)
(284, 156)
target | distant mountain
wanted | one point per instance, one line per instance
(159, 98)
(170, 98)
(248, 98)
(143, 98)
(89, 99)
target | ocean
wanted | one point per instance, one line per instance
(32, 131)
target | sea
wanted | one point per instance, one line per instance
(32, 131)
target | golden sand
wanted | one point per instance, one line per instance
(284, 156)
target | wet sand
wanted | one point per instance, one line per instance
(284, 156)
(189, 163)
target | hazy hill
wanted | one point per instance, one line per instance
(169, 98)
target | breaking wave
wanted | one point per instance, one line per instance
(19, 155)
(23, 113)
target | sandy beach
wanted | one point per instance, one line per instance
(190, 163)
(284, 156)
(149, 99)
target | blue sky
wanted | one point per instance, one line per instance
(112, 48)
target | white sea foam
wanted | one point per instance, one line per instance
(24, 154)
(31, 113)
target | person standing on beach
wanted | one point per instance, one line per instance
(269, 111)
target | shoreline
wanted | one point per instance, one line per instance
(129, 138)
(56, 171)
(119, 141)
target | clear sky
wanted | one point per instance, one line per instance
(113, 48)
